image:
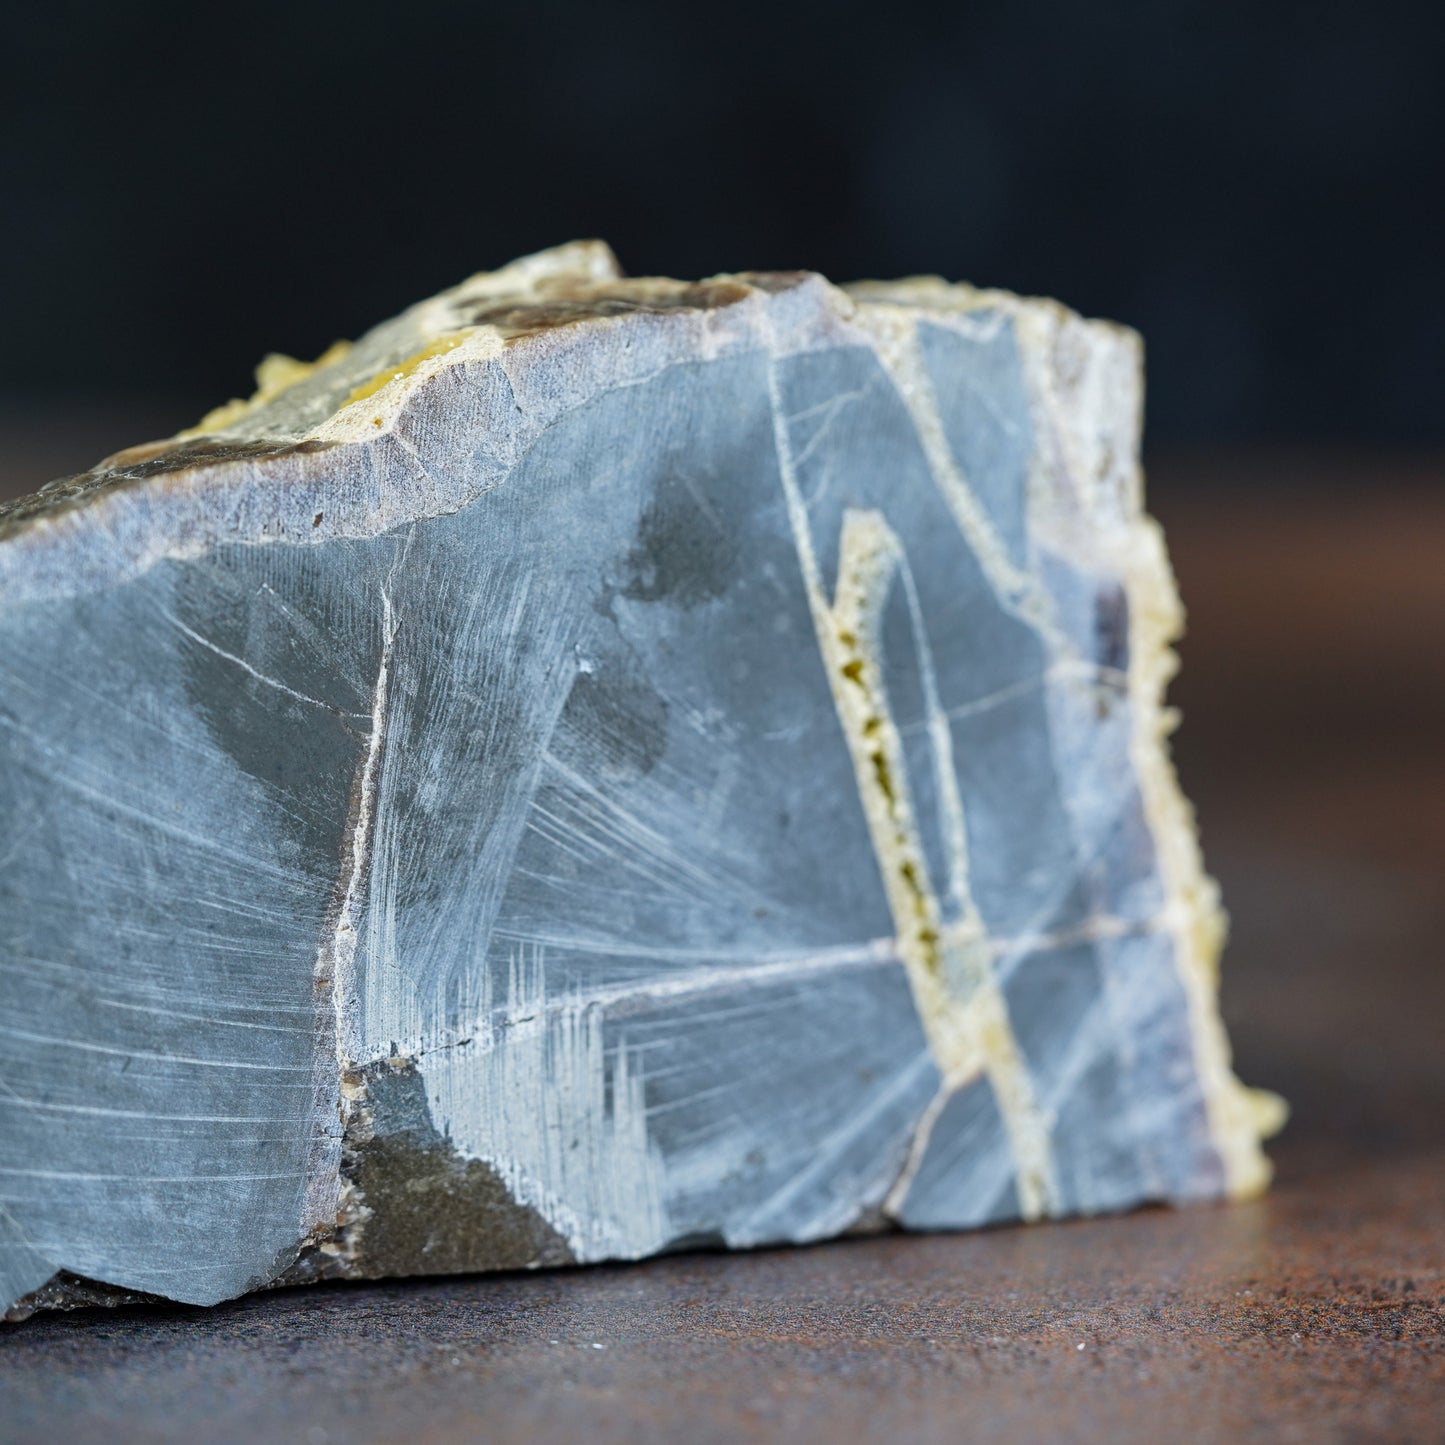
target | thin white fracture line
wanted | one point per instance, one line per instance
(918, 1146)
(834, 1145)
(636, 995)
(1100, 928)
(255, 672)
(138, 1178)
(170, 1013)
(1064, 667)
(89, 1048)
(337, 955)
(832, 406)
(839, 955)
(700, 497)
(960, 1034)
(1018, 591)
(42, 1106)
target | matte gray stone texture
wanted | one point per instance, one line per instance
(595, 767)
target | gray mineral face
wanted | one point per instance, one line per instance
(593, 767)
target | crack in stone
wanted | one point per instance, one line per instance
(333, 1202)
(960, 1004)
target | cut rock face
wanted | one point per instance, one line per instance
(595, 766)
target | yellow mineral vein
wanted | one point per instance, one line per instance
(437, 346)
(960, 1005)
(1239, 1117)
(894, 331)
(1104, 464)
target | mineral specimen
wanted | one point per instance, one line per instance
(598, 766)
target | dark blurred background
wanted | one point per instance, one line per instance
(1258, 187)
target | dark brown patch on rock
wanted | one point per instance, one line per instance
(66, 1291)
(774, 282)
(683, 555)
(570, 302)
(433, 1212)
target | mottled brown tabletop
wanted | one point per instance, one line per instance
(1314, 690)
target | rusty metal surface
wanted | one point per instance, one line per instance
(1315, 691)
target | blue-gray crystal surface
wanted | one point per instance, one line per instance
(600, 765)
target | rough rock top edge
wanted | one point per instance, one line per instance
(358, 392)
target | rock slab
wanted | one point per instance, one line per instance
(595, 767)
